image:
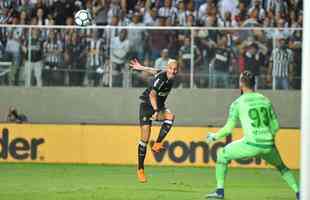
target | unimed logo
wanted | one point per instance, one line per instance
(189, 152)
(19, 148)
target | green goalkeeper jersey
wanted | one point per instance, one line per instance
(257, 118)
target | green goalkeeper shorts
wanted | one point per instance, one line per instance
(241, 149)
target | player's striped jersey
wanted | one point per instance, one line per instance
(162, 85)
(257, 118)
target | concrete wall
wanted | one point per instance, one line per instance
(196, 107)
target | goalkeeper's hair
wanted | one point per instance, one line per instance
(248, 79)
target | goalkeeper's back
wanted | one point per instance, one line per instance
(257, 118)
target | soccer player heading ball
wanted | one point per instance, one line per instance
(260, 126)
(152, 107)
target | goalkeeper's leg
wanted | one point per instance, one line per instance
(235, 150)
(275, 159)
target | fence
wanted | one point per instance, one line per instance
(98, 56)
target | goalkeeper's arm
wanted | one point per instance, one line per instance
(230, 124)
(274, 123)
(134, 64)
(226, 130)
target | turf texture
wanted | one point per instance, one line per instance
(106, 182)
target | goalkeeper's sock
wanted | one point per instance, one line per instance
(297, 196)
(221, 171)
(165, 128)
(220, 191)
(290, 179)
(141, 153)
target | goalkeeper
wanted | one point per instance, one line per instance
(260, 126)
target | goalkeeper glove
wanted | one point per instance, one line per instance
(211, 137)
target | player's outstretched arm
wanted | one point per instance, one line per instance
(229, 126)
(136, 65)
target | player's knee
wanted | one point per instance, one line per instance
(170, 117)
(282, 168)
(142, 146)
(221, 157)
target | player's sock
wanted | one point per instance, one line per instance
(297, 196)
(165, 128)
(221, 171)
(141, 153)
(288, 176)
(220, 191)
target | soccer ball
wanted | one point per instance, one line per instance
(82, 18)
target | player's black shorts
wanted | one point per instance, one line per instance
(145, 113)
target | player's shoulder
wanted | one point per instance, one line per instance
(236, 102)
(261, 96)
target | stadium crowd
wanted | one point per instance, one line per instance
(86, 57)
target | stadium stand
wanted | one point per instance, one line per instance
(82, 57)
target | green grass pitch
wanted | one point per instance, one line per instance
(104, 182)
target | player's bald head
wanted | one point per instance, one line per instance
(172, 68)
(172, 62)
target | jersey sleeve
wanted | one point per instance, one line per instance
(232, 120)
(158, 82)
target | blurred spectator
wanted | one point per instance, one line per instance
(175, 11)
(190, 20)
(295, 45)
(242, 13)
(149, 18)
(252, 20)
(228, 6)
(23, 17)
(181, 14)
(162, 61)
(34, 64)
(257, 5)
(204, 8)
(221, 64)
(279, 7)
(52, 73)
(227, 21)
(101, 13)
(14, 116)
(146, 45)
(113, 10)
(95, 59)
(119, 53)
(75, 58)
(13, 49)
(61, 10)
(185, 61)
(40, 16)
(254, 57)
(158, 39)
(281, 65)
(136, 38)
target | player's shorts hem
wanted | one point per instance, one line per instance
(146, 112)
